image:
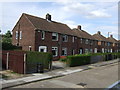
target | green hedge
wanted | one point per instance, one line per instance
(33, 58)
(78, 60)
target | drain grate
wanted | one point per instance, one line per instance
(82, 84)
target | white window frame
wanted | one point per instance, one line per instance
(81, 40)
(91, 42)
(30, 47)
(86, 41)
(20, 34)
(42, 35)
(65, 37)
(73, 39)
(16, 34)
(55, 34)
(81, 51)
(111, 50)
(55, 48)
(43, 47)
(103, 50)
(65, 49)
(91, 50)
(86, 50)
(95, 50)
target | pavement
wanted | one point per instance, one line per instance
(53, 74)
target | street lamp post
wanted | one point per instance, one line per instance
(108, 33)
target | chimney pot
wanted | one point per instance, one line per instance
(99, 33)
(79, 27)
(48, 17)
(111, 36)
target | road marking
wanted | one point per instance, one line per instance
(65, 84)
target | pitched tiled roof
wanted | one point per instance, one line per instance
(100, 37)
(111, 39)
(52, 26)
(82, 34)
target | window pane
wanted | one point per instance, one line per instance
(54, 36)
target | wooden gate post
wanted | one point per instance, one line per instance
(7, 61)
(24, 63)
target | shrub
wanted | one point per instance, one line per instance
(78, 60)
(33, 58)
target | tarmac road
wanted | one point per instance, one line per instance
(98, 77)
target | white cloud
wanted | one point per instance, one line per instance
(98, 14)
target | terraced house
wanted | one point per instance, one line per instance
(45, 35)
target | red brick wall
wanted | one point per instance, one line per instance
(28, 34)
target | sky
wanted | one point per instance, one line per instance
(92, 16)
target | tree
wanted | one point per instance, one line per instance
(7, 38)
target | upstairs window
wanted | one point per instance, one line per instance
(16, 35)
(87, 41)
(43, 35)
(64, 38)
(73, 39)
(81, 40)
(108, 43)
(91, 42)
(64, 51)
(20, 34)
(54, 36)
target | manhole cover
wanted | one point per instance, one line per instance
(82, 84)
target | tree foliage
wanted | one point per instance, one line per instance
(7, 38)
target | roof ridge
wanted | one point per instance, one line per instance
(43, 18)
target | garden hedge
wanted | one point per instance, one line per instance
(77, 60)
(34, 58)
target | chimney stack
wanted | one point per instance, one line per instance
(111, 36)
(79, 27)
(99, 32)
(48, 17)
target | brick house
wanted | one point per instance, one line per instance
(104, 45)
(85, 41)
(114, 43)
(43, 35)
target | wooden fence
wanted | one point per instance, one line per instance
(14, 60)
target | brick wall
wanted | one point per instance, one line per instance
(28, 34)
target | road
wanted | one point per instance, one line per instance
(98, 77)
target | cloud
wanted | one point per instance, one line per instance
(98, 14)
(88, 15)
(87, 10)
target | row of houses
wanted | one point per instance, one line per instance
(45, 35)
